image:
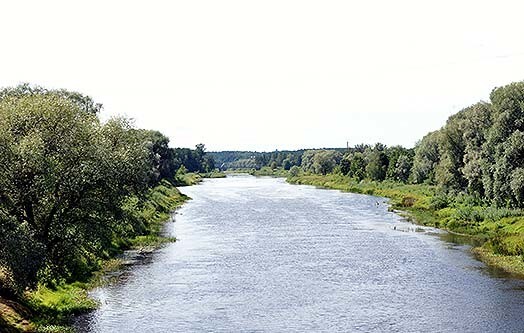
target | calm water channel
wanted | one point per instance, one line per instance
(259, 255)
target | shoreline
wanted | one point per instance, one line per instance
(404, 206)
(51, 310)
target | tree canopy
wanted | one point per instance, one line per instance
(66, 179)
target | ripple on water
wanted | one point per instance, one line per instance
(259, 255)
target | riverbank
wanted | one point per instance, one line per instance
(500, 231)
(264, 171)
(193, 178)
(48, 309)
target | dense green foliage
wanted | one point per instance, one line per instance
(467, 177)
(74, 190)
(247, 160)
(479, 152)
(64, 179)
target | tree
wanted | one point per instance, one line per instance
(83, 102)
(357, 168)
(64, 177)
(325, 161)
(286, 164)
(448, 173)
(403, 168)
(426, 158)
(377, 163)
(186, 157)
(517, 185)
(320, 161)
(502, 151)
(345, 164)
(294, 171)
(161, 156)
(476, 126)
(393, 155)
(307, 160)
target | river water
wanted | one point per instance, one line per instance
(259, 255)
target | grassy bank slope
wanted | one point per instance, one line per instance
(192, 178)
(499, 230)
(48, 308)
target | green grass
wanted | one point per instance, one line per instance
(50, 307)
(500, 231)
(239, 170)
(55, 305)
(193, 178)
(511, 264)
(214, 174)
(188, 179)
(264, 171)
(267, 171)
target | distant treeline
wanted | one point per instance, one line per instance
(234, 160)
(479, 151)
(74, 188)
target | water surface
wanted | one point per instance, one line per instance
(259, 255)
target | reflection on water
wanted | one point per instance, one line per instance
(259, 255)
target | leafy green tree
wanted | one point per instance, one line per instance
(517, 185)
(161, 156)
(475, 129)
(294, 171)
(448, 171)
(308, 160)
(64, 178)
(426, 158)
(320, 161)
(502, 151)
(325, 161)
(345, 164)
(393, 155)
(286, 164)
(403, 168)
(83, 102)
(377, 163)
(187, 158)
(357, 168)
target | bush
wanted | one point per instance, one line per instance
(294, 171)
(439, 201)
(408, 201)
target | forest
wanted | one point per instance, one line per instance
(75, 191)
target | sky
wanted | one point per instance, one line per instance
(266, 75)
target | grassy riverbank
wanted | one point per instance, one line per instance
(499, 230)
(48, 308)
(264, 171)
(267, 171)
(193, 178)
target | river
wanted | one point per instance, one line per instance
(260, 255)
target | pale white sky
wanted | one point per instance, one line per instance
(265, 75)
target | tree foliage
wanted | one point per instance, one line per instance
(64, 177)
(66, 180)
(320, 161)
